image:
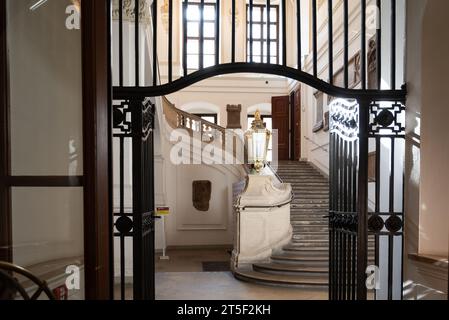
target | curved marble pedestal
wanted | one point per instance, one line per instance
(262, 221)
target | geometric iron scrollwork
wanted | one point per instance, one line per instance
(124, 224)
(375, 223)
(121, 119)
(378, 222)
(344, 118)
(148, 112)
(343, 221)
(387, 118)
(394, 224)
(147, 223)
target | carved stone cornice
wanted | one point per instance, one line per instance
(129, 10)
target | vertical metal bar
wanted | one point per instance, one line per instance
(345, 209)
(338, 251)
(346, 42)
(345, 177)
(390, 266)
(393, 44)
(122, 267)
(350, 177)
(136, 41)
(377, 198)
(392, 174)
(184, 37)
(233, 32)
(344, 270)
(391, 209)
(354, 209)
(331, 208)
(138, 270)
(268, 32)
(331, 40)
(284, 33)
(122, 213)
(315, 38)
(348, 267)
(251, 50)
(122, 177)
(110, 160)
(120, 42)
(154, 42)
(379, 44)
(217, 32)
(201, 62)
(354, 268)
(298, 33)
(363, 38)
(362, 199)
(170, 40)
(351, 209)
(355, 177)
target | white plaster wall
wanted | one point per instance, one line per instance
(427, 155)
(215, 94)
(434, 143)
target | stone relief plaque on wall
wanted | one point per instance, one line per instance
(201, 194)
(234, 112)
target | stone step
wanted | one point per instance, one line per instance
(299, 205)
(290, 269)
(307, 191)
(292, 171)
(311, 236)
(302, 176)
(301, 260)
(306, 250)
(311, 243)
(309, 223)
(313, 197)
(311, 214)
(301, 210)
(309, 228)
(281, 279)
(306, 181)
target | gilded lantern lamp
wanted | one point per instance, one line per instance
(257, 140)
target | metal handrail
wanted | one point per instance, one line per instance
(322, 147)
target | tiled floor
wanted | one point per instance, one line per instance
(181, 278)
(190, 260)
(223, 286)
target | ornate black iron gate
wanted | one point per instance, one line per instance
(366, 200)
(133, 132)
(366, 180)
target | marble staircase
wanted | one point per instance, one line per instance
(304, 261)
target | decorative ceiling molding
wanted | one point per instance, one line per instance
(128, 11)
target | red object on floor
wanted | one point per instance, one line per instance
(61, 292)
